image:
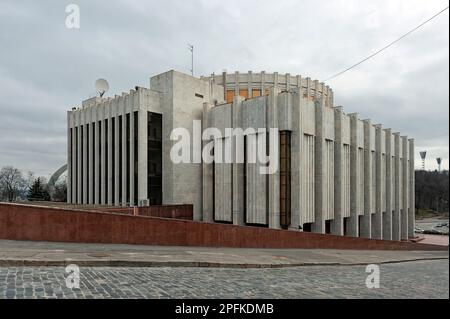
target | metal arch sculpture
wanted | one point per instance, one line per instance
(56, 175)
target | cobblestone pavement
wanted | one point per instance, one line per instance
(420, 279)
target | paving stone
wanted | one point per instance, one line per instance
(420, 279)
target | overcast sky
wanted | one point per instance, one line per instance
(46, 68)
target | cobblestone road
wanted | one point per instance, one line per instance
(422, 279)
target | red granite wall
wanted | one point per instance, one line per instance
(22, 222)
(182, 211)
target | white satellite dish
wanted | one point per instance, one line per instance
(101, 85)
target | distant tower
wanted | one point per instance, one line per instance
(423, 155)
(439, 161)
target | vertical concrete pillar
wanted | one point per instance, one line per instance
(103, 161)
(390, 199)
(249, 84)
(263, 83)
(274, 179)
(207, 170)
(69, 157)
(85, 159)
(297, 175)
(412, 204)
(124, 152)
(353, 221)
(79, 159)
(405, 190)
(91, 159)
(142, 153)
(131, 159)
(110, 156)
(396, 233)
(224, 82)
(97, 143)
(337, 224)
(236, 83)
(367, 217)
(238, 165)
(319, 224)
(377, 220)
(288, 82)
(117, 199)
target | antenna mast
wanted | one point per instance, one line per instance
(423, 155)
(191, 48)
(439, 161)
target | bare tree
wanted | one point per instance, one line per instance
(12, 183)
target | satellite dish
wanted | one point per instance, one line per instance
(101, 85)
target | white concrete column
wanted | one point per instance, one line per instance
(396, 234)
(124, 155)
(238, 168)
(355, 172)
(366, 218)
(85, 160)
(412, 203)
(236, 83)
(274, 179)
(207, 176)
(117, 185)
(405, 190)
(377, 219)
(103, 161)
(69, 157)
(110, 157)
(387, 218)
(131, 159)
(297, 174)
(249, 84)
(91, 160)
(142, 154)
(319, 224)
(337, 224)
(79, 159)
(97, 143)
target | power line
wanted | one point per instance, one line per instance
(387, 46)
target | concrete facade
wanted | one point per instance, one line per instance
(337, 174)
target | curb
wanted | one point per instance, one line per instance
(125, 263)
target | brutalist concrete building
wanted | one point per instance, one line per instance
(337, 173)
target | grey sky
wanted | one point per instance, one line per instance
(46, 68)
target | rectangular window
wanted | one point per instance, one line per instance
(285, 179)
(230, 96)
(154, 158)
(256, 92)
(244, 93)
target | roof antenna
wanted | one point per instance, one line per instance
(191, 48)
(101, 85)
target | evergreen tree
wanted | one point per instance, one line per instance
(38, 192)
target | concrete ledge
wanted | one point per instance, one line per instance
(124, 263)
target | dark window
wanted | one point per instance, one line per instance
(307, 227)
(328, 227)
(154, 158)
(285, 179)
(199, 95)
